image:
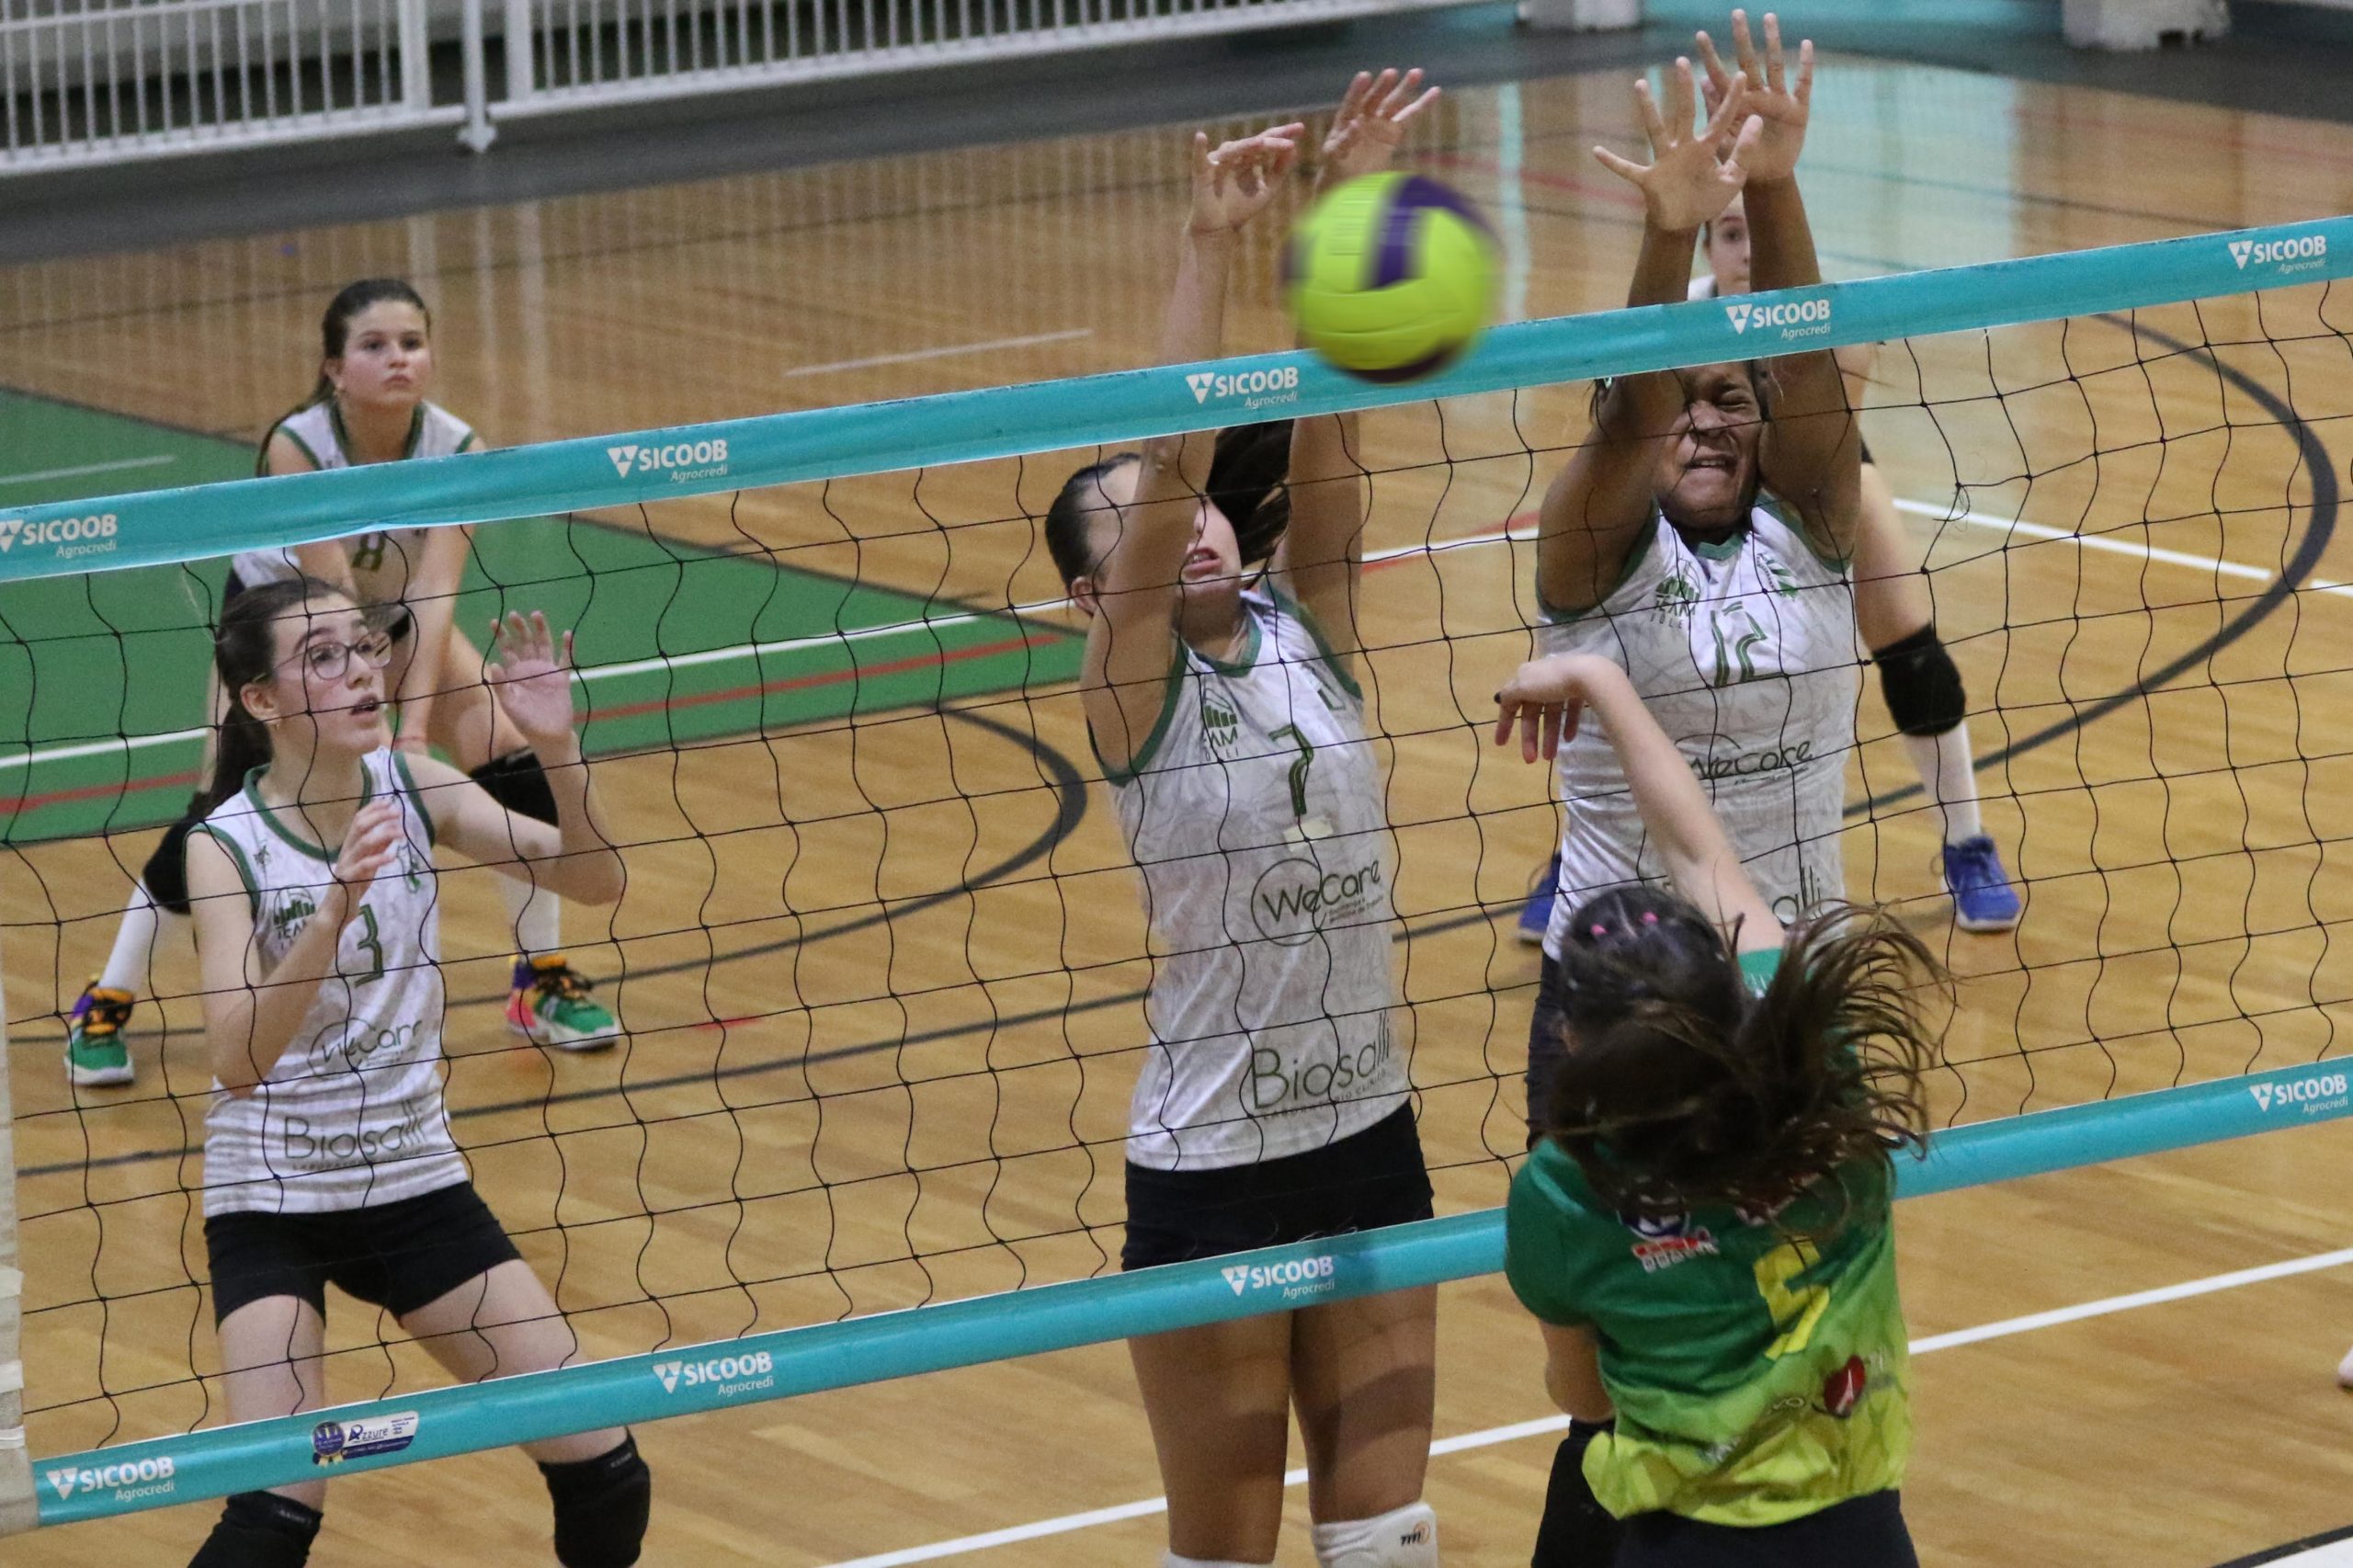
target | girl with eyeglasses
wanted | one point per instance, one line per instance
(370, 406)
(328, 1157)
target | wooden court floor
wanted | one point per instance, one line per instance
(882, 973)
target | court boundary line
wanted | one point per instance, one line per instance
(2003, 1328)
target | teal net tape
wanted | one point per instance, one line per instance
(168, 526)
(443, 1422)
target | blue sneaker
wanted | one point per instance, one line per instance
(1536, 914)
(1982, 899)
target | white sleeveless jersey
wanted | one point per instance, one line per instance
(383, 561)
(1746, 654)
(1256, 814)
(352, 1114)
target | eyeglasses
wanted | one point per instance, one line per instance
(331, 661)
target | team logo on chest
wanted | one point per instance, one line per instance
(1677, 597)
(1221, 720)
(289, 911)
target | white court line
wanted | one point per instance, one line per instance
(117, 466)
(1539, 1428)
(948, 352)
(758, 650)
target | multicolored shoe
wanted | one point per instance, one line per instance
(1983, 898)
(550, 1006)
(96, 1053)
(1536, 914)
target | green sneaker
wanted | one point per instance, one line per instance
(96, 1053)
(549, 1005)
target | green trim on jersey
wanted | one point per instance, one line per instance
(1723, 549)
(1635, 556)
(1758, 1376)
(1298, 612)
(1779, 510)
(1142, 758)
(261, 463)
(293, 839)
(236, 857)
(1249, 660)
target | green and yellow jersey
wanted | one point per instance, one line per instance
(1758, 1377)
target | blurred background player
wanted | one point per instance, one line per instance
(1706, 1232)
(1230, 729)
(370, 406)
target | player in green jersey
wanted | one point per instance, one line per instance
(1705, 1234)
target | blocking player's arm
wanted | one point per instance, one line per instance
(1547, 698)
(1597, 508)
(575, 858)
(431, 599)
(1812, 453)
(251, 1012)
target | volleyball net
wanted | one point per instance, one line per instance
(881, 961)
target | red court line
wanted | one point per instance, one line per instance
(1493, 530)
(24, 803)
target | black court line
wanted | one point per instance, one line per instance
(2293, 1549)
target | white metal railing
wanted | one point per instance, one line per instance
(86, 82)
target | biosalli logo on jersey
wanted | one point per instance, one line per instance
(1256, 389)
(69, 538)
(1786, 322)
(726, 1376)
(2306, 252)
(681, 461)
(128, 1482)
(2306, 1097)
(1298, 1279)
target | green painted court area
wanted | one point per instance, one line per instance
(102, 677)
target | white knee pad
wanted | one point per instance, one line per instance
(1170, 1560)
(1402, 1538)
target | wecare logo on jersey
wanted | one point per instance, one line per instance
(2304, 253)
(128, 1482)
(1786, 322)
(682, 460)
(2308, 1096)
(1256, 389)
(1296, 1279)
(68, 537)
(733, 1375)
(332, 1442)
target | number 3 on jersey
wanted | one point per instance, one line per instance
(373, 941)
(1794, 1311)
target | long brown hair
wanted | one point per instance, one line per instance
(1681, 1088)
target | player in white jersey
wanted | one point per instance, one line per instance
(1272, 1103)
(1734, 619)
(327, 1152)
(370, 406)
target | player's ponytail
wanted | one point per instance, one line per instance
(245, 650)
(1682, 1090)
(1248, 473)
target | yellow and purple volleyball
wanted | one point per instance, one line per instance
(1390, 277)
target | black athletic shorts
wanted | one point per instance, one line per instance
(1548, 1046)
(397, 1256)
(1366, 1180)
(1862, 1533)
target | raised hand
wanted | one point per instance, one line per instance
(1544, 699)
(1686, 184)
(530, 677)
(1777, 115)
(1233, 183)
(1369, 124)
(370, 844)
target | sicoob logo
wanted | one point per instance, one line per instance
(71, 537)
(1299, 1277)
(682, 460)
(2302, 253)
(733, 1374)
(2321, 1091)
(138, 1478)
(1256, 388)
(1793, 318)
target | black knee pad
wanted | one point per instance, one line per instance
(517, 782)
(1577, 1532)
(601, 1507)
(260, 1530)
(164, 876)
(1922, 684)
